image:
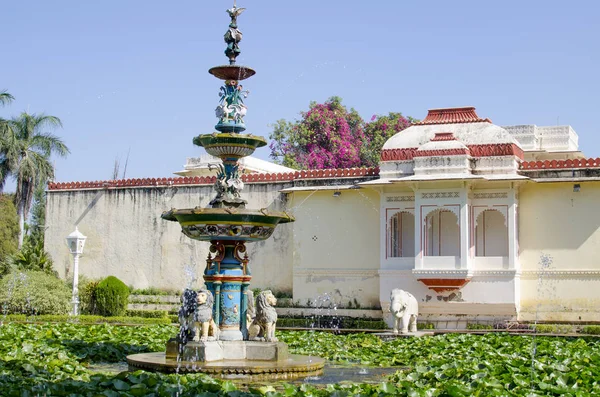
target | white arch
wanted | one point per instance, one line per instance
(454, 209)
(492, 241)
(399, 211)
(395, 228)
(478, 211)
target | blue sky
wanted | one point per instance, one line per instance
(132, 75)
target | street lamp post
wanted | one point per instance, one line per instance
(75, 242)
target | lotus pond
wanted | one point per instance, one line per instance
(64, 360)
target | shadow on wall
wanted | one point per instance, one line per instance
(557, 216)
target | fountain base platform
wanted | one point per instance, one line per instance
(229, 359)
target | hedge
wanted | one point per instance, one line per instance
(85, 319)
(146, 313)
(111, 297)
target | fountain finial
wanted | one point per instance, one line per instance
(233, 36)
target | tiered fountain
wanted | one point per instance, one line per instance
(227, 224)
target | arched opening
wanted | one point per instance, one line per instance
(491, 234)
(442, 233)
(401, 235)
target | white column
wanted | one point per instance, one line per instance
(513, 244)
(419, 221)
(75, 300)
(465, 259)
(382, 231)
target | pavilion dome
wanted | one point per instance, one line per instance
(466, 126)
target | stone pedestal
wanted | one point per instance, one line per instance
(227, 350)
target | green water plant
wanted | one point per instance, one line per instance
(55, 359)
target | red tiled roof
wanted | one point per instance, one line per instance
(209, 180)
(452, 116)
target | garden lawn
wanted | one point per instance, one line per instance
(53, 359)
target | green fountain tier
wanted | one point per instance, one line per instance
(227, 224)
(226, 145)
(232, 72)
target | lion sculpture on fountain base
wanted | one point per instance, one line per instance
(263, 325)
(203, 317)
(405, 309)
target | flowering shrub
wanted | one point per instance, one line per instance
(330, 136)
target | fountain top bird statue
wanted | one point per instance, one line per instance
(234, 12)
(233, 36)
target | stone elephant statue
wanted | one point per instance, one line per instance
(405, 309)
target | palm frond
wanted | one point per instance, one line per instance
(45, 121)
(4, 173)
(49, 143)
(5, 98)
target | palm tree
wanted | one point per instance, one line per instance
(5, 98)
(25, 150)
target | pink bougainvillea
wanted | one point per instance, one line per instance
(330, 136)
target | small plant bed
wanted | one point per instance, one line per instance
(155, 291)
(56, 359)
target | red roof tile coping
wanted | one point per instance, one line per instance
(559, 164)
(443, 136)
(486, 150)
(452, 116)
(398, 154)
(209, 180)
(496, 150)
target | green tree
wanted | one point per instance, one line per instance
(378, 131)
(9, 229)
(25, 150)
(37, 219)
(31, 256)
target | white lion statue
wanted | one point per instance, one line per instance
(405, 309)
(263, 325)
(203, 317)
